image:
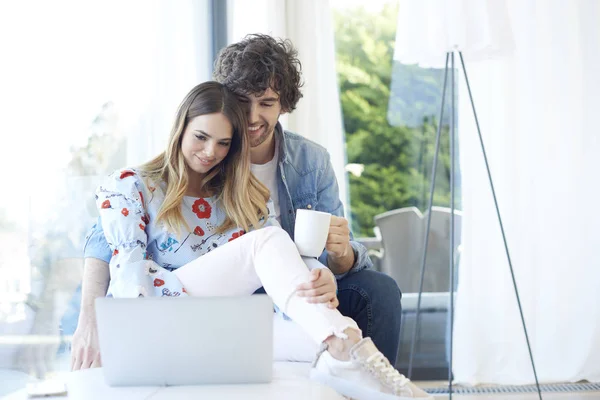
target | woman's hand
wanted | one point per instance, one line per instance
(321, 288)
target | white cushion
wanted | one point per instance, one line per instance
(290, 342)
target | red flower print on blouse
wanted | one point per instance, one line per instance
(127, 173)
(142, 226)
(142, 197)
(202, 208)
(125, 212)
(236, 235)
(158, 282)
(198, 231)
(115, 252)
(146, 219)
(106, 204)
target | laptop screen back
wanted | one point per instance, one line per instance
(186, 341)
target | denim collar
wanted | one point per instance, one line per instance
(283, 146)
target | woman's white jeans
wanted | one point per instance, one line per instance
(265, 257)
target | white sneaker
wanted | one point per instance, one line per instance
(367, 376)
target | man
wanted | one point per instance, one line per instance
(266, 75)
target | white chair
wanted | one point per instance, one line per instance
(402, 242)
(400, 237)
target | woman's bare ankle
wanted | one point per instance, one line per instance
(340, 348)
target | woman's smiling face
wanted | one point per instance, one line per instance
(206, 142)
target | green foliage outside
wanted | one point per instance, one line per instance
(394, 139)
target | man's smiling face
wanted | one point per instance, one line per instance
(263, 113)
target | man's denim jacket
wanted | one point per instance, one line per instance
(306, 180)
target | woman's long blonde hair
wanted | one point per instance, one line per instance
(242, 196)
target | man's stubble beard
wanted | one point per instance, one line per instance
(262, 138)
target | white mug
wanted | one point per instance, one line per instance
(310, 232)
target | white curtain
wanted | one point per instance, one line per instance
(537, 113)
(537, 105)
(179, 57)
(427, 29)
(309, 26)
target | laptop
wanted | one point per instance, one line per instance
(168, 341)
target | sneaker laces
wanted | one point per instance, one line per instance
(379, 366)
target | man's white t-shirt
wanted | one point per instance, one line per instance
(267, 174)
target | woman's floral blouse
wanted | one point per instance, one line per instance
(145, 254)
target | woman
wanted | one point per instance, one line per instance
(178, 226)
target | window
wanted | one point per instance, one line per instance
(390, 117)
(390, 113)
(84, 92)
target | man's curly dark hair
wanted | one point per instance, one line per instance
(259, 62)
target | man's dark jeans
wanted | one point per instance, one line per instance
(372, 299)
